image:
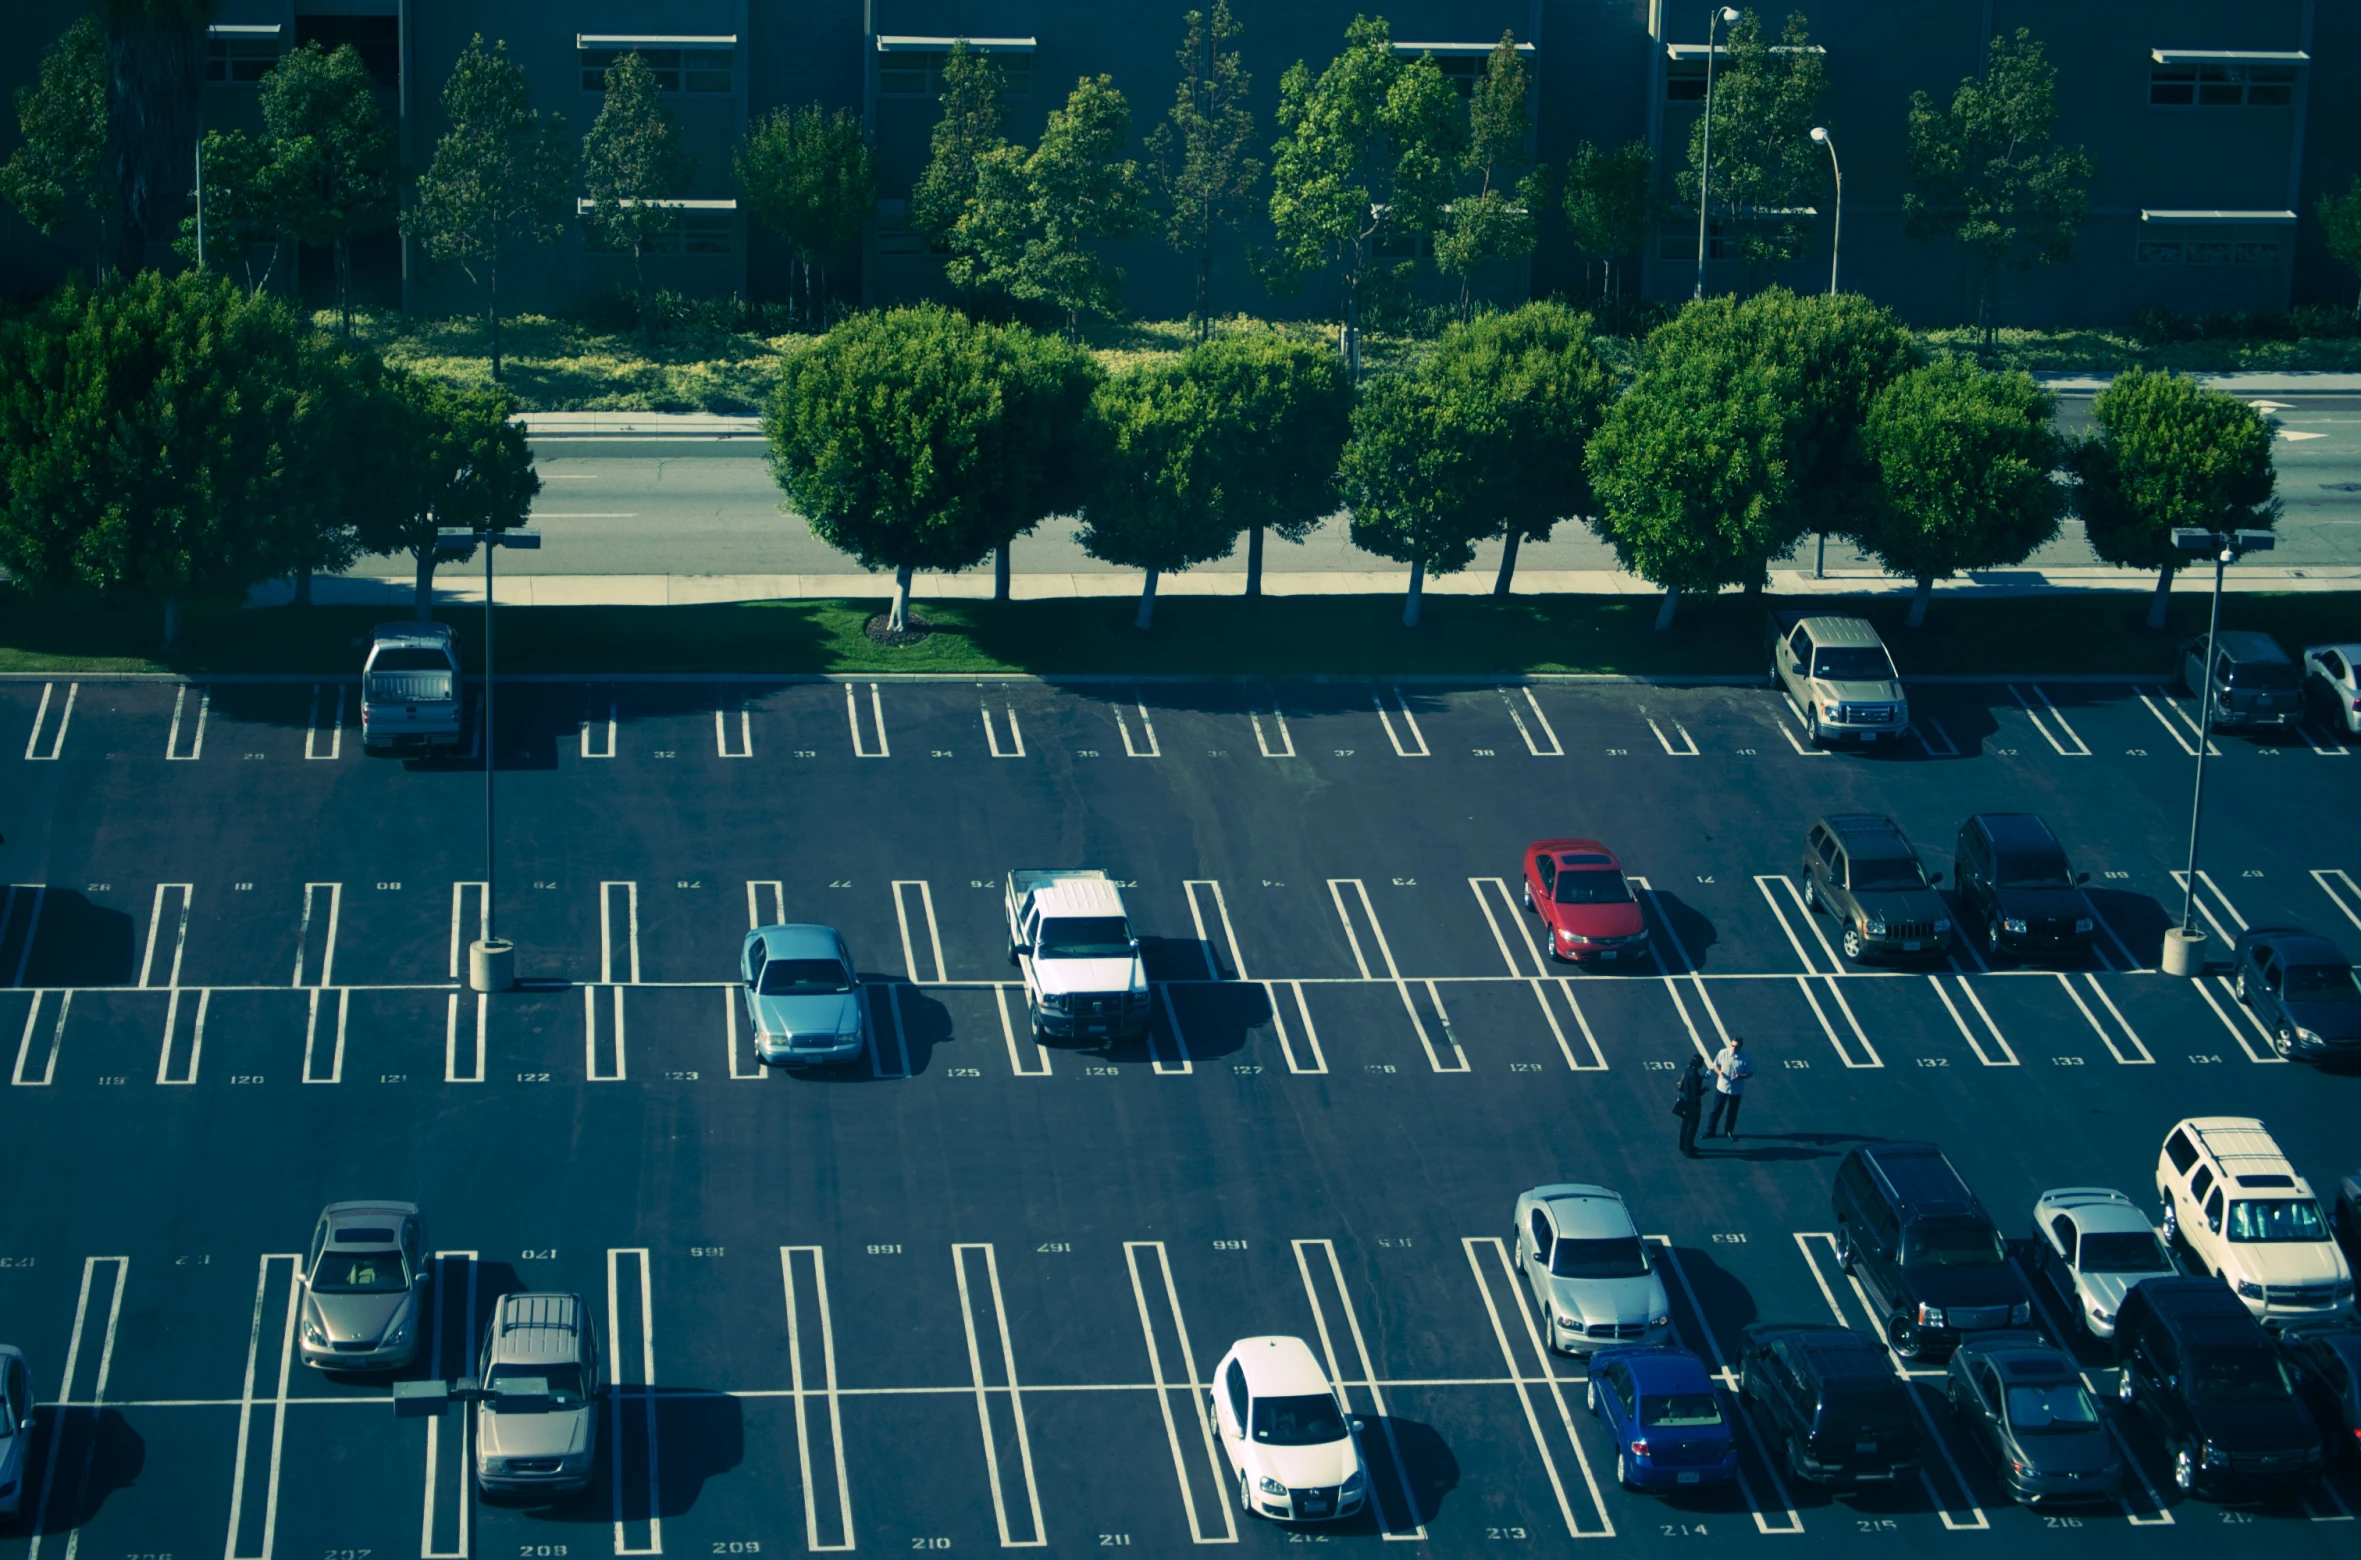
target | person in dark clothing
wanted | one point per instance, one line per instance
(1689, 1105)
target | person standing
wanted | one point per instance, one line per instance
(1731, 1069)
(1689, 1104)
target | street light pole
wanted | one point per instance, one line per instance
(1713, 18)
(2184, 945)
(491, 962)
(1836, 237)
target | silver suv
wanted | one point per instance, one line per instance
(538, 1419)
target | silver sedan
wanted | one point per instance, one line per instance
(364, 1287)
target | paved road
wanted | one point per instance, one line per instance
(965, 1293)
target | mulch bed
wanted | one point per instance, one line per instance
(917, 629)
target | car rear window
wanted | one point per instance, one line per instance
(2032, 872)
(1872, 1408)
(1612, 1257)
(1592, 886)
(2270, 1219)
(1680, 1411)
(2236, 1375)
(410, 661)
(1085, 937)
(2323, 983)
(803, 978)
(2271, 675)
(2121, 1251)
(354, 1235)
(1857, 663)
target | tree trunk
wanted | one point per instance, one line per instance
(1672, 601)
(1204, 290)
(303, 586)
(899, 620)
(1410, 603)
(1508, 562)
(639, 289)
(1000, 573)
(1820, 559)
(155, 76)
(1918, 602)
(1254, 564)
(172, 621)
(1146, 618)
(422, 599)
(492, 317)
(344, 289)
(2161, 603)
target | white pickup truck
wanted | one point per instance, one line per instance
(410, 688)
(1068, 933)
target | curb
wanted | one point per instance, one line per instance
(1121, 679)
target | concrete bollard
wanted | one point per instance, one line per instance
(2184, 952)
(491, 966)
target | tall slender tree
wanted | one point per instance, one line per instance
(55, 178)
(634, 167)
(2340, 224)
(336, 172)
(243, 211)
(1198, 155)
(966, 133)
(155, 74)
(1608, 203)
(810, 176)
(1766, 171)
(1496, 219)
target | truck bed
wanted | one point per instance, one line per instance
(1023, 880)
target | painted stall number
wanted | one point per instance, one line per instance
(2202, 1060)
(1380, 1067)
(2065, 1061)
(681, 1077)
(1483, 752)
(1515, 1535)
(540, 1551)
(708, 1251)
(239, 1078)
(1394, 1242)
(1517, 1067)
(243, 888)
(737, 1546)
(532, 1077)
(1934, 1061)
(2115, 874)
(688, 883)
(1663, 1066)
(1795, 1064)
(930, 1543)
(1730, 1238)
(393, 1077)
(885, 1251)
(1246, 1069)
(389, 888)
(1054, 1246)
(538, 1254)
(1229, 1245)
(963, 1072)
(1099, 1072)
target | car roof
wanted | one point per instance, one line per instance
(345, 1217)
(411, 632)
(2241, 1145)
(1078, 897)
(2020, 833)
(1577, 849)
(1589, 1212)
(1661, 1368)
(1922, 1178)
(1866, 829)
(2110, 1218)
(536, 1326)
(2196, 1303)
(1838, 1353)
(798, 940)
(2305, 948)
(1280, 1367)
(1839, 630)
(2247, 644)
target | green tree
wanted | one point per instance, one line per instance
(151, 436)
(445, 456)
(243, 211)
(336, 168)
(155, 75)
(1200, 167)
(1158, 501)
(502, 173)
(634, 167)
(55, 178)
(809, 176)
(1045, 388)
(1967, 462)
(1766, 171)
(1495, 219)
(1609, 203)
(2340, 224)
(2165, 451)
(1988, 172)
(1412, 475)
(1372, 141)
(1278, 411)
(967, 132)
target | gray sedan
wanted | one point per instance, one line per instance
(802, 995)
(364, 1287)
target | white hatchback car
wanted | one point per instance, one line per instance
(1590, 1272)
(1286, 1433)
(2093, 1244)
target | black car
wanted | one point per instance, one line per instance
(2325, 1360)
(2210, 1382)
(2254, 684)
(2303, 991)
(2024, 1402)
(1926, 1253)
(1829, 1398)
(2016, 890)
(1860, 868)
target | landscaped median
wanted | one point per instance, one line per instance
(2099, 633)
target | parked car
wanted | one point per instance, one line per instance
(2017, 890)
(1588, 912)
(1590, 1272)
(2348, 1211)
(802, 995)
(410, 689)
(16, 1427)
(1828, 1398)
(2206, 1377)
(1927, 1255)
(1861, 869)
(2093, 1244)
(1659, 1405)
(1286, 1433)
(2332, 684)
(2325, 1360)
(364, 1287)
(2303, 991)
(1071, 939)
(1838, 677)
(2253, 685)
(2234, 1199)
(2025, 1404)
(538, 1423)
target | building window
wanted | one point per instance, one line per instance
(676, 70)
(240, 59)
(1678, 241)
(2160, 245)
(694, 232)
(911, 74)
(2221, 86)
(377, 38)
(895, 236)
(1684, 82)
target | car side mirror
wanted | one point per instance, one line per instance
(1934, 877)
(1796, 667)
(2081, 878)
(1358, 1427)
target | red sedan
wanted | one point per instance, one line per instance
(1586, 907)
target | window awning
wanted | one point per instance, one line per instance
(1456, 48)
(584, 207)
(1698, 51)
(243, 30)
(897, 43)
(655, 40)
(2217, 216)
(2230, 56)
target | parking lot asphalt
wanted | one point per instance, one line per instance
(965, 1294)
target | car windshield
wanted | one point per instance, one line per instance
(2261, 1219)
(1953, 1243)
(2032, 872)
(1620, 1256)
(803, 978)
(1310, 1420)
(1085, 937)
(2121, 1251)
(531, 1388)
(1887, 872)
(359, 1273)
(1680, 1410)
(1592, 886)
(2322, 983)
(1862, 663)
(410, 661)
(2237, 1376)
(2051, 1405)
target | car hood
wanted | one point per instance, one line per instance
(1858, 692)
(2041, 904)
(2108, 1289)
(1620, 1300)
(1902, 904)
(554, 1434)
(2256, 1427)
(1310, 1467)
(1615, 920)
(1992, 1284)
(2285, 1261)
(823, 1015)
(358, 1318)
(1089, 975)
(2328, 1020)
(2067, 1451)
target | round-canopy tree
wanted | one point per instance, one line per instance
(1413, 475)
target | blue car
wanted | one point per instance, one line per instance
(802, 996)
(1667, 1420)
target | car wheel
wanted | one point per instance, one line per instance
(1549, 1330)
(2239, 986)
(1992, 936)
(1951, 1395)
(1855, 948)
(1811, 894)
(1773, 678)
(1245, 1494)
(2184, 1470)
(2172, 1225)
(1623, 1471)
(1903, 1334)
(1844, 1247)
(1012, 955)
(2284, 1041)
(1528, 893)
(1590, 1396)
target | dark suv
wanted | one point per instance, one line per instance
(2254, 684)
(2206, 1377)
(2016, 889)
(1859, 867)
(1829, 1397)
(1925, 1251)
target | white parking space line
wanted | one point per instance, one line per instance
(56, 747)
(2335, 882)
(1016, 737)
(311, 729)
(591, 724)
(197, 735)
(1476, 1249)
(852, 715)
(2230, 1011)
(766, 902)
(451, 1072)
(266, 1305)
(2007, 1056)
(116, 1281)
(1728, 1379)
(1932, 738)
(311, 1036)
(2129, 962)
(1131, 748)
(2157, 1514)
(1368, 1380)
(57, 1035)
(1685, 748)
(1804, 914)
(1803, 983)
(934, 935)
(611, 969)
(1494, 899)
(157, 924)
(449, 1360)
(1336, 888)
(893, 1005)
(461, 934)
(327, 915)
(838, 1534)
(1229, 933)
(723, 744)
(1976, 1522)
(2209, 894)
(20, 922)
(1556, 749)
(2140, 1055)
(164, 1053)
(1401, 749)
(2050, 722)
(745, 1065)
(1262, 739)
(1008, 1033)
(643, 1300)
(1828, 977)
(1167, 1316)
(1802, 750)
(2175, 721)
(1036, 1537)
(1311, 1034)
(595, 1067)
(1688, 968)
(1180, 1041)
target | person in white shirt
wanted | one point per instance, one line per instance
(1731, 1069)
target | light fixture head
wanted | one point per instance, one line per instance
(1820, 134)
(1729, 13)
